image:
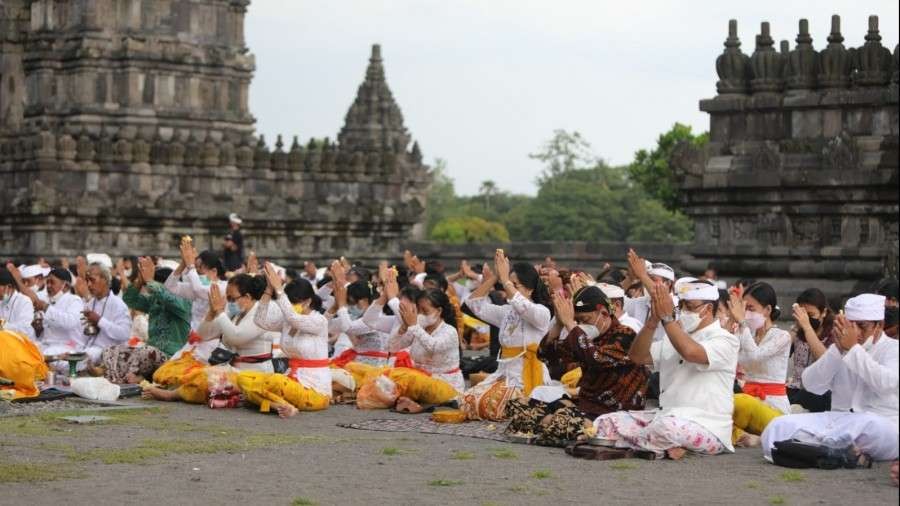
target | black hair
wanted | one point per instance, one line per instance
(887, 287)
(746, 283)
(291, 274)
(765, 295)
(529, 278)
(359, 290)
(300, 289)
(211, 260)
(115, 285)
(6, 278)
(816, 298)
(162, 274)
(439, 299)
(437, 278)
(62, 275)
(616, 276)
(434, 267)
(135, 268)
(411, 292)
(249, 285)
(324, 281)
(723, 296)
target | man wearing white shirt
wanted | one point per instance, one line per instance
(16, 310)
(616, 296)
(63, 331)
(861, 371)
(649, 274)
(696, 361)
(192, 279)
(33, 277)
(107, 319)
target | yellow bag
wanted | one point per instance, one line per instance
(21, 362)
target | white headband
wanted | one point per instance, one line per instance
(698, 291)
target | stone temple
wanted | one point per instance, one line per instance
(799, 179)
(124, 124)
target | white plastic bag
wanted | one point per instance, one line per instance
(96, 389)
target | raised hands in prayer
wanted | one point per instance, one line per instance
(802, 318)
(216, 301)
(467, 271)
(554, 281)
(501, 263)
(408, 313)
(661, 301)
(272, 278)
(488, 274)
(188, 254)
(81, 266)
(565, 311)
(146, 270)
(637, 268)
(737, 307)
(339, 284)
(252, 264)
(848, 333)
(391, 288)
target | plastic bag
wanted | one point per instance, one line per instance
(378, 394)
(97, 389)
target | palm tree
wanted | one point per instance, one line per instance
(487, 190)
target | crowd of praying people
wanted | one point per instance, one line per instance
(634, 362)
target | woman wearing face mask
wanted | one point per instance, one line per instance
(764, 347)
(428, 330)
(239, 334)
(306, 386)
(369, 345)
(192, 279)
(523, 324)
(812, 335)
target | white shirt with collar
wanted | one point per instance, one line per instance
(114, 324)
(701, 393)
(242, 336)
(189, 286)
(63, 330)
(18, 312)
(863, 380)
(638, 308)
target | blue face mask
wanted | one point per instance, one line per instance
(355, 312)
(232, 309)
(204, 280)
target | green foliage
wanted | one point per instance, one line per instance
(651, 169)
(580, 198)
(469, 230)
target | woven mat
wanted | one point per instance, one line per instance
(424, 425)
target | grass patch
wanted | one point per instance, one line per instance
(444, 483)
(519, 489)
(391, 451)
(302, 501)
(753, 485)
(503, 453)
(776, 500)
(793, 476)
(460, 455)
(11, 472)
(542, 474)
(623, 466)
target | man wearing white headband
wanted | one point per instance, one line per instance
(616, 296)
(33, 278)
(861, 371)
(649, 274)
(696, 361)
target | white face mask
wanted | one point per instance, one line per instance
(427, 320)
(755, 320)
(127, 273)
(689, 320)
(591, 331)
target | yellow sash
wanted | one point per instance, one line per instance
(532, 369)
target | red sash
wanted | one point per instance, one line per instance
(350, 355)
(761, 390)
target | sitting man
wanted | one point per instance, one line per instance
(860, 370)
(106, 317)
(696, 363)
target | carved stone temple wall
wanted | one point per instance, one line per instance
(124, 124)
(799, 179)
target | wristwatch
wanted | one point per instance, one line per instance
(667, 319)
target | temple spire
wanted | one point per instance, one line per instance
(374, 121)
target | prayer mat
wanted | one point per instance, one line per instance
(424, 425)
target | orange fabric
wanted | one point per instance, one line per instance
(304, 363)
(194, 337)
(21, 362)
(402, 359)
(761, 390)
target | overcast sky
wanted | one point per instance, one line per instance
(482, 83)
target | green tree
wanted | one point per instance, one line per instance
(469, 230)
(564, 152)
(651, 169)
(487, 190)
(652, 222)
(442, 199)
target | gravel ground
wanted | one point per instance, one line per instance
(182, 454)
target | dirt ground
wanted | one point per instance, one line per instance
(180, 454)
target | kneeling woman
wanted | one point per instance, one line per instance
(306, 386)
(250, 346)
(428, 329)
